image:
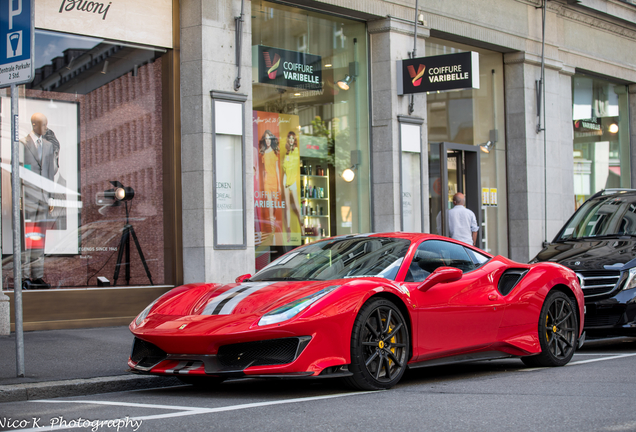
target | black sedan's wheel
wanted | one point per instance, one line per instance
(558, 331)
(379, 346)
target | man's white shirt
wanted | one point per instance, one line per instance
(462, 223)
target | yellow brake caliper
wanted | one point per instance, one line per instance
(393, 340)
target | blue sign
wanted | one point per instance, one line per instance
(16, 41)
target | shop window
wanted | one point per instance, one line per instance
(229, 166)
(411, 144)
(91, 135)
(310, 128)
(601, 136)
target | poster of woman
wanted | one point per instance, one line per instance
(277, 176)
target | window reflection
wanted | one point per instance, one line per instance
(101, 103)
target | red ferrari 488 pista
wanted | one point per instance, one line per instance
(363, 308)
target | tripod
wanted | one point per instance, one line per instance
(124, 243)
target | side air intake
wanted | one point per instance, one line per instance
(509, 279)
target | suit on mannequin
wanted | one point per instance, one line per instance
(41, 156)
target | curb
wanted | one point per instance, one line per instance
(82, 387)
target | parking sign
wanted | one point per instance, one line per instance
(16, 41)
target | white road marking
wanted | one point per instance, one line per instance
(183, 410)
(596, 354)
(631, 426)
(611, 357)
(600, 359)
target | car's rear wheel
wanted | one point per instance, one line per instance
(379, 346)
(558, 331)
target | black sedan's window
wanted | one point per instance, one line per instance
(432, 254)
(605, 216)
(344, 257)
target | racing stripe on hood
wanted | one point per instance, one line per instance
(227, 306)
(224, 304)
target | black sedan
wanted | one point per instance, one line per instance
(599, 244)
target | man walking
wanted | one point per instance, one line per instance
(462, 223)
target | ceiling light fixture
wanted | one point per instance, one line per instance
(349, 174)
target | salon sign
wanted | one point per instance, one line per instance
(147, 22)
(287, 68)
(438, 73)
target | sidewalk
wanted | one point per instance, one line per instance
(70, 363)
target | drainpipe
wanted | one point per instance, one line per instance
(238, 42)
(545, 141)
(412, 55)
(540, 90)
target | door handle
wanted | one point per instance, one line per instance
(492, 297)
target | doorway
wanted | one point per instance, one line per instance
(453, 168)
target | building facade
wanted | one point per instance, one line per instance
(552, 109)
(256, 126)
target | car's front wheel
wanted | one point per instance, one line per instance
(558, 331)
(379, 346)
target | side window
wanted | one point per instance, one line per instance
(476, 257)
(432, 254)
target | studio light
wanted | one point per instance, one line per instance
(121, 192)
(487, 146)
(114, 197)
(124, 194)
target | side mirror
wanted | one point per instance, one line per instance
(242, 278)
(440, 275)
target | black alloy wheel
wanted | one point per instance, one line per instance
(379, 346)
(558, 331)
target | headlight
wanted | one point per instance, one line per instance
(292, 309)
(144, 313)
(631, 279)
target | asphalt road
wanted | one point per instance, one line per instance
(595, 392)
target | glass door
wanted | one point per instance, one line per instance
(456, 171)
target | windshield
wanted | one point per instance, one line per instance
(339, 258)
(603, 217)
